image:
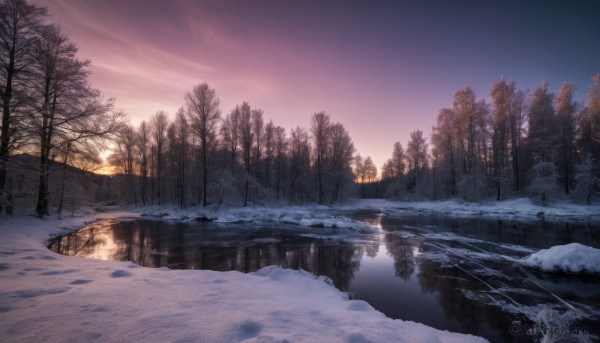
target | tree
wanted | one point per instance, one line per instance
(398, 160)
(20, 23)
(158, 129)
(342, 152)
(142, 147)
(593, 116)
(369, 171)
(257, 132)
(542, 141)
(123, 157)
(502, 94)
(65, 107)
(247, 138)
(319, 130)
(587, 181)
(444, 140)
(416, 154)
(180, 149)
(517, 116)
(281, 147)
(269, 151)
(299, 163)
(566, 115)
(230, 133)
(203, 112)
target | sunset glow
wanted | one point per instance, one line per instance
(382, 69)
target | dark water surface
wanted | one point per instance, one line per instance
(453, 274)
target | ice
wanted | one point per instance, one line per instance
(569, 258)
(45, 297)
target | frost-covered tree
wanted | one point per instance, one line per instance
(502, 94)
(416, 154)
(586, 178)
(202, 108)
(64, 107)
(566, 109)
(542, 142)
(20, 26)
(340, 160)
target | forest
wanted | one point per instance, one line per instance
(516, 143)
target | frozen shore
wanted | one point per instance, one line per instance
(517, 209)
(46, 297)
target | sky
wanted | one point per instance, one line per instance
(381, 68)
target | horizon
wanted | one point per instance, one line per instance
(382, 70)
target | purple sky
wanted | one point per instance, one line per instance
(382, 68)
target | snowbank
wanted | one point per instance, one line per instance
(313, 216)
(521, 208)
(45, 297)
(569, 258)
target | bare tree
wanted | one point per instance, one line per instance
(123, 157)
(257, 133)
(158, 130)
(181, 147)
(230, 133)
(319, 129)
(20, 23)
(542, 141)
(566, 114)
(203, 112)
(269, 151)
(66, 108)
(281, 147)
(342, 152)
(502, 94)
(416, 153)
(142, 148)
(247, 139)
(299, 163)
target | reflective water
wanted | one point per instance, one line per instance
(452, 274)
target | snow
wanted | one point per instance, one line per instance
(312, 216)
(569, 258)
(46, 297)
(521, 208)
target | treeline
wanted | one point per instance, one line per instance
(200, 157)
(543, 145)
(49, 107)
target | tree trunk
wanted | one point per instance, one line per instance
(5, 140)
(62, 181)
(204, 176)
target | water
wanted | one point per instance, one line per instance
(452, 274)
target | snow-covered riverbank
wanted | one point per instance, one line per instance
(518, 209)
(45, 297)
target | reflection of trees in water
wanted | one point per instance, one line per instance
(449, 284)
(402, 252)
(84, 242)
(178, 246)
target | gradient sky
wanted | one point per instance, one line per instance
(382, 68)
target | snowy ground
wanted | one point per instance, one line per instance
(518, 209)
(45, 297)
